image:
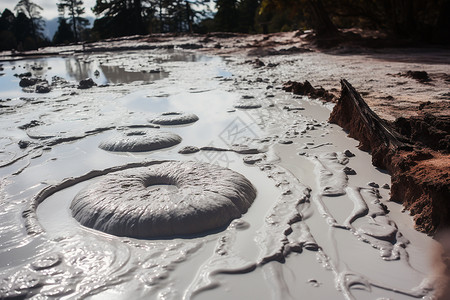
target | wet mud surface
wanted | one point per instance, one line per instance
(320, 224)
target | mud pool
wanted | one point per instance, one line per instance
(320, 227)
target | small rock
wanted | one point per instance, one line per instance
(86, 83)
(314, 282)
(42, 88)
(252, 159)
(349, 171)
(32, 123)
(188, 150)
(24, 82)
(348, 153)
(26, 74)
(373, 184)
(23, 144)
(386, 186)
(285, 142)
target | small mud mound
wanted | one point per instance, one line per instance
(140, 141)
(306, 89)
(165, 199)
(420, 76)
(245, 104)
(174, 118)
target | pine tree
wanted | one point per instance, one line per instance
(75, 9)
(31, 11)
(64, 34)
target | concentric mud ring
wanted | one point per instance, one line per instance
(203, 197)
(174, 118)
(140, 141)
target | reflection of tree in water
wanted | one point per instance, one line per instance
(77, 69)
(38, 68)
(115, 74)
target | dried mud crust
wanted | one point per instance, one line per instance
(132, 203)
(420, 176)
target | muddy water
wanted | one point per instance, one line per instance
(321, 226)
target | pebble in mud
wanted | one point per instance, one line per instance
(202, 197)
(285, 142)
(140, 141)
(349, 171)
(42, 88)
(174, 118)
(86, 84)
(373, 184)
(314, 282)
(188, 150)
(348, 153)
(252, 159)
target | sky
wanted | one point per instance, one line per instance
(49, 7)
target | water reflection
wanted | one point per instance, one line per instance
(119, 75)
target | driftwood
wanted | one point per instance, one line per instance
(375, 135)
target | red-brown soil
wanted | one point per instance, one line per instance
(420, 175)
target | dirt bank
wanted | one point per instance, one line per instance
(420, 175)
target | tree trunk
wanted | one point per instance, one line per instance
(321, 21)
(189, 17)
(137, 7)
(74, 22)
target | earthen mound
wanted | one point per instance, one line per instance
(174, 118)
(165, 199)
(140, 141)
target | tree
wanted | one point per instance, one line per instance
(123, 17)
(75, 10)
(64, 33)
(7, 38)
(226, 18)
(32, 11)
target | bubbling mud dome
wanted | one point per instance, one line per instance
(140, 141)
(174, 118)
(133, 203)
